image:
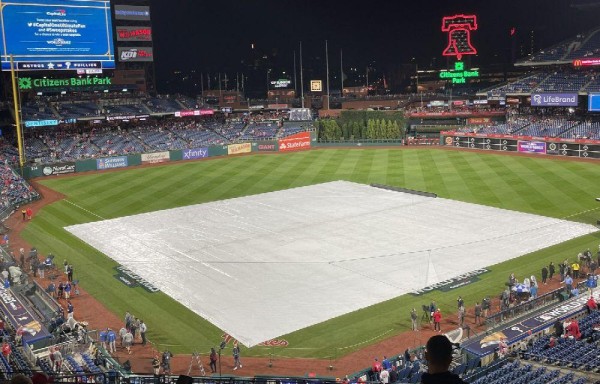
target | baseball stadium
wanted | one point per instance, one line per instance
(327, 226)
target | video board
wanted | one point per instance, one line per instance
(56, 34)
(594, 102)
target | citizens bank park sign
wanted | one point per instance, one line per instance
(456, 282)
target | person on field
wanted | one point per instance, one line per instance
(128, 341)
(544, 274)
(551, 270)
(413, 319)
(478, 311)
(438, 353)
(437, 319)
(213, 360)
(237, 363)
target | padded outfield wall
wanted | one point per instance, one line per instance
(523, 144)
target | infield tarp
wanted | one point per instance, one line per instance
(285, 260)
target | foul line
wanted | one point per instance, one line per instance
(581, 213)
(85, 210)
(368, 341)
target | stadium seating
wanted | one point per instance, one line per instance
(585, 130)
(260, 131)
(163, 105)
(37, 111)
(551, 127)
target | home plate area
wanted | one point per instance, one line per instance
(282, 261)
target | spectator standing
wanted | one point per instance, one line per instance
(58, 359)
(437, 318)
(461, 316)
(384, 376)
(128, 341)
(386, 364)
(111, 337)
(69, 309)
(61, 288)
(432, 308)
(544, 274)
(41, 269)
(156, 365)
(439, 356)
(143, 330)
(568, 283)
(213, 360)
(236, 356)
(6, 351)
(22, 258)
(477, 313)
(485, 306)
(393, 374)
(591, 305)
(413, 319)
(122, 333)
(70, 273)
(103, 338)
(67, 290)
(575, 268)
(133, 327)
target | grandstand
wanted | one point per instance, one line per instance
(582, 46)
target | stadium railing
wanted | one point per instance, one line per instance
(544, 300)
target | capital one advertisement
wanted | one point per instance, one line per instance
(297, 142)
(554, 99)
(53, 35)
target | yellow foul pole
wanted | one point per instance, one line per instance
(17, 109)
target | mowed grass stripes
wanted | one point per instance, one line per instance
(536, 185)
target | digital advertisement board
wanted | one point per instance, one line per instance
(554, 99)
(134, 34)
(131, 12)
(594, 102)
(56, 35)
(129, 54)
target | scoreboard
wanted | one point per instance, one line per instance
(56, 34)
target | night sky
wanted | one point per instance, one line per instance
(216, 35)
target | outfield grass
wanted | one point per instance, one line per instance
(542, 186)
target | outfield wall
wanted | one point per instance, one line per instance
(298, 142)
(523, 144)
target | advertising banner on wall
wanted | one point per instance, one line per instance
(554, 99)
(134, 34)
(266, 146)
(295, 142)
(195, 153)
(531, 146)
(235, 149)
(58, 169)
(479, 120)
(137, 54)
(197, 112)
(112, 162)
(131, 12)
(157, 157)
